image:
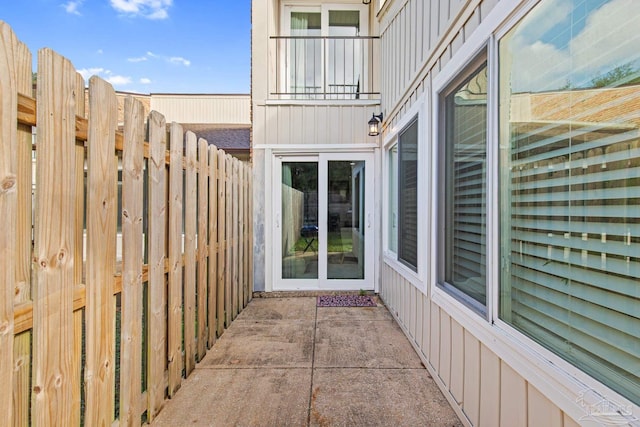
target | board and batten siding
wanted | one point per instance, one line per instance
(418, 37)
(483, 389)
(306, 124)
(216, 109)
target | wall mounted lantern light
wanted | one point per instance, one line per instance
(374, 124)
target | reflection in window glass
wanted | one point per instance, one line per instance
(464, 177)
(408, 195)
(570, 185)
(393, 199)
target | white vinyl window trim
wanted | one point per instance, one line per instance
(416, 278)
(558, 379)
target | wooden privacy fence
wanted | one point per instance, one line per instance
(122, 262)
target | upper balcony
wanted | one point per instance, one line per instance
(323, 52)
(324, 68)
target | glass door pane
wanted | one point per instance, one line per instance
(345, 220)
(344, 66)
(305, 56)
(299, 220)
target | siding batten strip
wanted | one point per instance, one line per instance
(132, 288)
(156, 343)
(101, 251)
(53, 327)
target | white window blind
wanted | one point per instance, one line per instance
(570, 193)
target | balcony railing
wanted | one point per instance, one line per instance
(329, 67)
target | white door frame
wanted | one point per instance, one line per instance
(322, 282)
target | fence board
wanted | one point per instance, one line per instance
(156, 256)
(132, 291)
(8, 206)
(222, 241)
(247, 241)
(241, 234)
(101, 251)
(55, 242)
(235, 239)
(203, 241)
(176, 195)
(79, 255)
(22, 342)
(45, 379)
(190, 203)
(213, 245)
(229, 290)
(250, 172)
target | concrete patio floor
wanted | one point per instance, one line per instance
(286, 362)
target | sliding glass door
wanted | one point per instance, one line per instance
(322, 230)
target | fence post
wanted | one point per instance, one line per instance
(157, 357)
(203, 194)
(8, 208)
(176, 195)
(190, 204)
(53, 327)
(102, 205)
(132, 291)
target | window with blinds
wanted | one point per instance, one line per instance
(408, 195)
(570, 186)
(463, 207)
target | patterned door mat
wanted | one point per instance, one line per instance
(346, 301)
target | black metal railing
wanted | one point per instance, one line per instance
(329, 67)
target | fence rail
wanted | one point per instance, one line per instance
(122, 261)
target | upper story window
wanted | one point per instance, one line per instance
(324, 52)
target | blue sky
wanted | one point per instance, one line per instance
(147, 46)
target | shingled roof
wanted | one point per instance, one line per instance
(229, 137)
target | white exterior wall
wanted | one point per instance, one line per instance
(214, 109)
(307, 126)
(490, 375)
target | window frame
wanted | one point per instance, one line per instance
(555, 377)
(418, 112)
(477, 61)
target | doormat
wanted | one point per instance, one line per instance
(346, 301)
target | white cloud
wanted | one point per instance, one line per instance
(107, 75)
(179, 60)
(608, 39)
(150, 9)
(88, 72)
(138, 59)
(72, 6)
(118, 80)
(145, 81)
(99, 51)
